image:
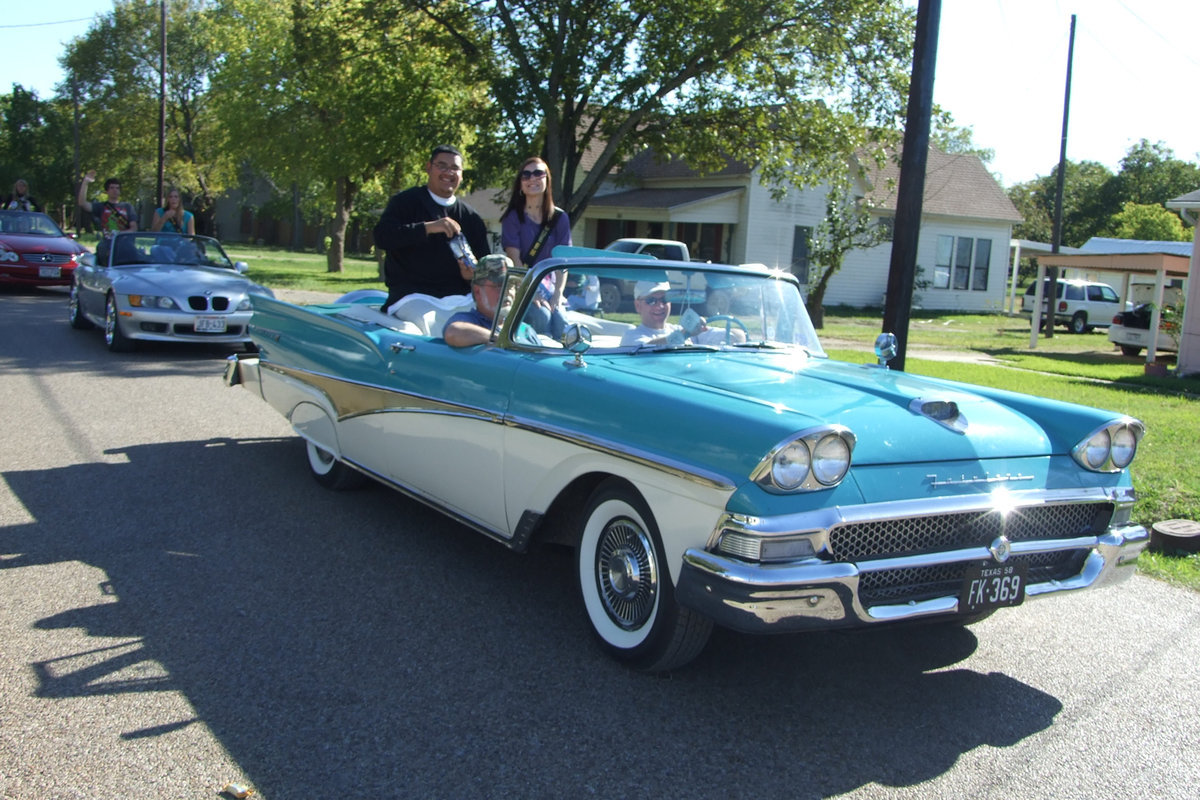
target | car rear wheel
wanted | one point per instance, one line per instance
(75, 313)
(1079, 323)
(331, 473)
(625, 587)
(1130, 350)
(114, 337)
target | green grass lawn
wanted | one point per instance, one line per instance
(284, 269)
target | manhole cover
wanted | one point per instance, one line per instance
(1177, 527)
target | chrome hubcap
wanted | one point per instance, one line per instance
(626, 573)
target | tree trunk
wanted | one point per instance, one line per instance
(346, 190)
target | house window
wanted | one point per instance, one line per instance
(963, 261)
(983, 260)
(941, 265)
(800, 241)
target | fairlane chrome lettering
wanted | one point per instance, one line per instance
(963, 480)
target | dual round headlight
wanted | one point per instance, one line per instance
(816, 459)
(1111, 448)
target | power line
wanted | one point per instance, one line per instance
(44, 24)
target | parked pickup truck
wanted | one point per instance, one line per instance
(614, 293)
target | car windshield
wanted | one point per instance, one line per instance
(130, 249)
(29, 223)
(709, 307)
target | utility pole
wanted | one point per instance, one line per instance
(162, 99)
(1056, 235)
(911, 192)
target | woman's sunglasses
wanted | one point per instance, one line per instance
(526, 174)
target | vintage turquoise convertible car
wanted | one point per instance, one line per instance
(730, 473)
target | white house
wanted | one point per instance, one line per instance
(730, 216)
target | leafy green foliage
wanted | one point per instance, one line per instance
(346, 95)
(115, 73)
(791, 87)
(35, 138)
(1147, 222)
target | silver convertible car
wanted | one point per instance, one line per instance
(707, 463)
(166, 287)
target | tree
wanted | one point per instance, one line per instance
(35, 137)
(342, 95)
(791, 87)
(1148, 222)
(1088, 202)
(1151, 175)
(848, 225)
(957, 139)
(114, 74)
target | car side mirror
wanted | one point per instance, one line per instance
(241, 267)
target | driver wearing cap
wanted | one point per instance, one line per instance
(653, 306)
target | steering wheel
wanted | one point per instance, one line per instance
(729, 321)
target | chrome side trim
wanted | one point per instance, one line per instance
(352, 398)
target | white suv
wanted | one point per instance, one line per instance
(1081, 305)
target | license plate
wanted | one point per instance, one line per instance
(210, 325)
(49, 272)
(989, 585)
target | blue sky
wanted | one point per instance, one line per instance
(1001, 69)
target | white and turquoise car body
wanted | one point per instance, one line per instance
(750, 481)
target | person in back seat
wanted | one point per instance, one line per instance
(475, 326)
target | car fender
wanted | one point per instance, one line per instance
(313, 423)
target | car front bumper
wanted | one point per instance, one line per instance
(819, 595)
(180, 326)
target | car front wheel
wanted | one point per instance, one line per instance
(114, 337)
(331, 473)
(625, 587)
(74, 312)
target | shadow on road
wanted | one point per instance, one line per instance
(360, 645)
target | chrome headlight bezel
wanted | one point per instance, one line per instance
(1111, 447)
(814, 459)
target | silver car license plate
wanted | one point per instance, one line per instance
(210, 325)
(49, 272)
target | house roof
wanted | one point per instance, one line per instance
(1099, 244)
(956, 185)
(661, 198)
(1189, 200)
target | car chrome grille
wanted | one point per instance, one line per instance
(894, 537)
(200, 302)
(39, 259)
(889, 538)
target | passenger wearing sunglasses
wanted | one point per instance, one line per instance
(530, 228)
(416, 228)
(653, 305)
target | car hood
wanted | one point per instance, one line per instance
(891, 413)
(28, 243)
(173, 279)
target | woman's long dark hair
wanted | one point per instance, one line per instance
(517, 201)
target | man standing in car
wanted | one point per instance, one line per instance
(417, 227)
(111, 216)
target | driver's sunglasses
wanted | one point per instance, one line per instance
(526, 174)
(656, 301)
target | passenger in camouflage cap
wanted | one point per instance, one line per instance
(475, 326)
(491, 268)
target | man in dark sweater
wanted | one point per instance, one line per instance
(417, 227)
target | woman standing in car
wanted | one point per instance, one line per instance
(530, 228)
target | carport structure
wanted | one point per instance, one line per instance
(1161, 265)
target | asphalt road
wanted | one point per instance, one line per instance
(182, 606)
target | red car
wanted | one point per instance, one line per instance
(34, 251)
